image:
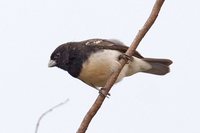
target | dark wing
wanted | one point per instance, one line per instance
(110, 44)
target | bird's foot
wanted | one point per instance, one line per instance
(126, 57)
(102, 92)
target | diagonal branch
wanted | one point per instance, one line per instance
(47, 112)
(99, 101)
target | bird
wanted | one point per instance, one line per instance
(94, 60)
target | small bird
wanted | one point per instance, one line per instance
(94, 60)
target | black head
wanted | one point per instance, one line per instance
(60, 57)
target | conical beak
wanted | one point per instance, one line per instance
(52, 63)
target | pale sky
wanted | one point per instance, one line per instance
(31, 29)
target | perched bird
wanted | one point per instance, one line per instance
(93, 61)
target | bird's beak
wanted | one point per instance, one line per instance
(52, 63)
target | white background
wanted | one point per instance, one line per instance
(31, 29)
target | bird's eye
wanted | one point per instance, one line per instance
(57, 56)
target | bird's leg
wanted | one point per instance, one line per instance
(126, 57)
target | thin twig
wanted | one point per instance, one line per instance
(98, 102)
(47, 112)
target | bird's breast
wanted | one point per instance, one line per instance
(99, 66)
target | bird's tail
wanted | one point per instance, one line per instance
(159, 66)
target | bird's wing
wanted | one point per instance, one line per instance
(110, 44)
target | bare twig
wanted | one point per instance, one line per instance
(48, 111)
(98, 102)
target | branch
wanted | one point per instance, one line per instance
(99, 101)
(47, 112)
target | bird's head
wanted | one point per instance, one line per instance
(60, 57)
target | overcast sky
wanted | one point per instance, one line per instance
(31, 29)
